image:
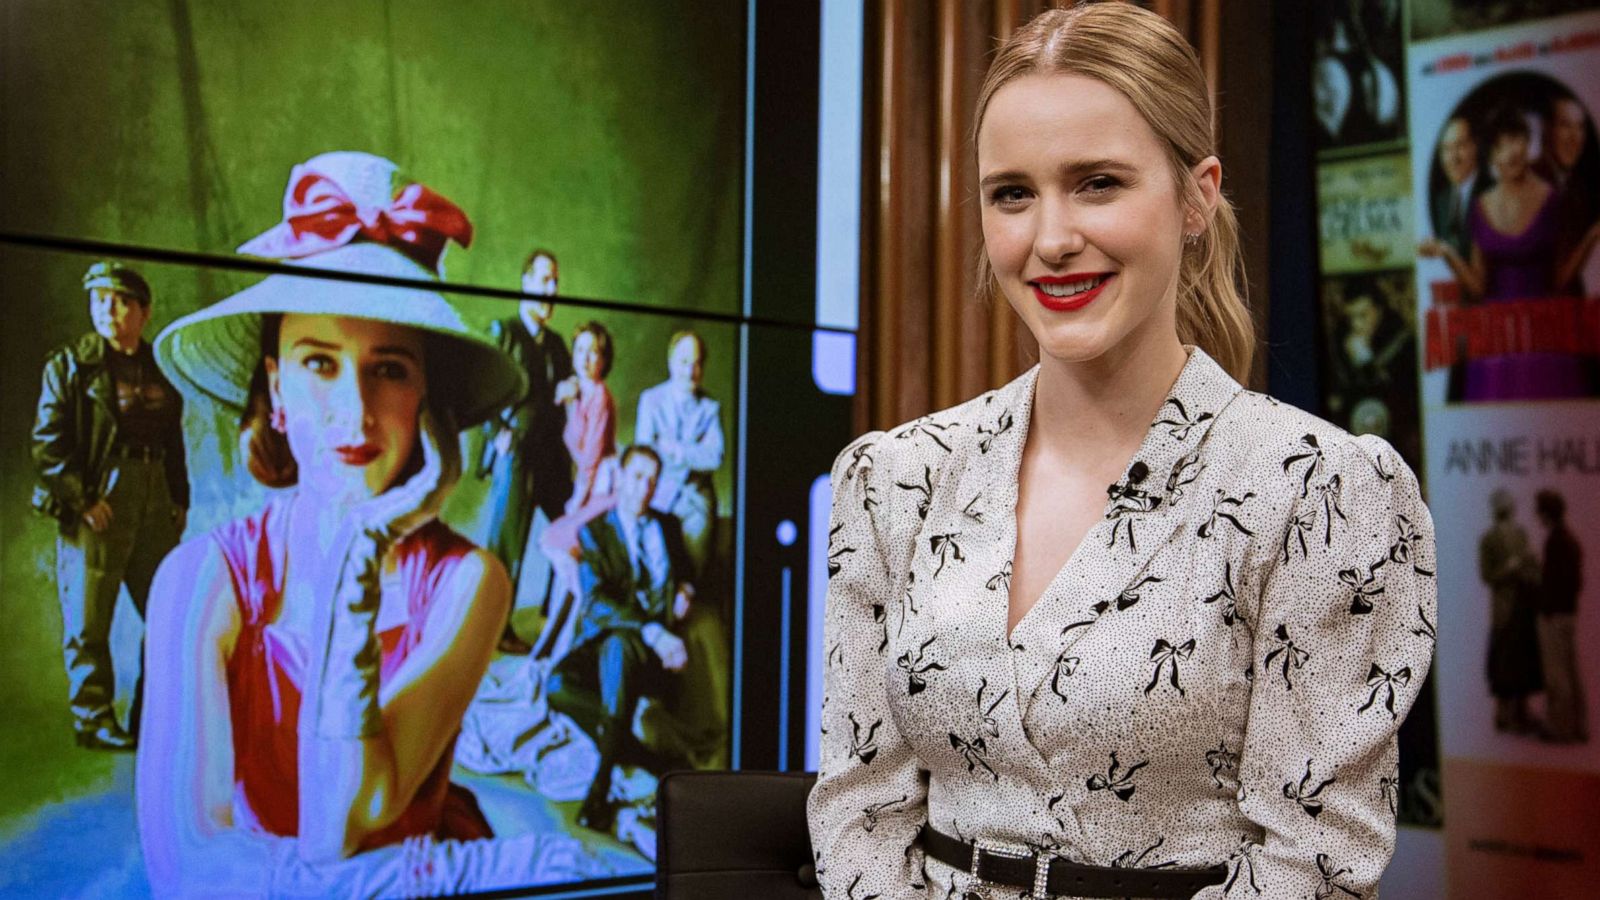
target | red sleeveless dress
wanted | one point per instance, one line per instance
(268, 666)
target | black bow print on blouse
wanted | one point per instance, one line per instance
(915, 668)
(1179, 425)
(1304, 794)
(1425, 628)
(923, 490)
(1125, 599)
(1117, 780)
(1299, 524)
(908, 602)
(1064, 667)
(1404, 549)
(1330, 492)
(1167, 655)
(860, 458)
(1224, 507)
(1313, 468)
(971, 510)
(1002, 579)
(976, 750)
(836, 554)
(1382, 682)
(930, 429)
(1050, 807)
(1221, 760)
(1242, 862)
(880, 617)
(863, 747)
(1227, 602)
(1126, 498)
(1384, 465)
(1184, 473)
(1389, 792)
(1330, 876)
(872, 812)
(1363, 586)
(1001, 426)
(986, 713)
(1293, 657)
(850, 892)
(1127, 859)
(945, 546)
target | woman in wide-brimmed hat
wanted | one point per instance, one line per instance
(311, 663)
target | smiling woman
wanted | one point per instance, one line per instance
(1186, 684)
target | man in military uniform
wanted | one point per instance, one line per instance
(108, 450)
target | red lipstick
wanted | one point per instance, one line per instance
(1075, 301)
(357, 455)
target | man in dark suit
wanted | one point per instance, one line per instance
(529, 469)
(1566, 135)
(633, 597)
(1566, 712)
(1458, 158)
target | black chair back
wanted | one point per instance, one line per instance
(734, 836)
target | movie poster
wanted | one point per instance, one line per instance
(1506, 172)
(1364, 214)
(525, 508)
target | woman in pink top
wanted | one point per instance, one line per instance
(591, 438)
(591, 430)
(310, 664)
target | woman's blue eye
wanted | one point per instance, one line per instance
(320, 364)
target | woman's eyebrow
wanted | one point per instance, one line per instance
(1103, 164)
(1002, 177)
(1068, 168)
(395, 350)
(383, 350)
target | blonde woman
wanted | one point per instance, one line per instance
(1186, 684)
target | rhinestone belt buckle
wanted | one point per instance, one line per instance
(980, 847)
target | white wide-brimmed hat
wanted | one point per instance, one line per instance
(348, 212)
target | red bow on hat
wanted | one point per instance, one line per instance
(319, 216)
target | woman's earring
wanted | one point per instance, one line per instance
(1191, 238)
(278, 420)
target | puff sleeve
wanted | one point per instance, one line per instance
(1342, 644)
(870, 799)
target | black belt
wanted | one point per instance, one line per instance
(1046, 875)
(132, 451)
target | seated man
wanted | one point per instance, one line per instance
(631, 600)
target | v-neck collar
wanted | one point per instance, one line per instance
(1156, 473)
(1141, 512)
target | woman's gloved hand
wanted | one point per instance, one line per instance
(345, 687)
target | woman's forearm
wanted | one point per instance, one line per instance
(348, 791)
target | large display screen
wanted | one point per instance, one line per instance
(419, 467)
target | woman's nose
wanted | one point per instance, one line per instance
(348, 400)
(1058, 235)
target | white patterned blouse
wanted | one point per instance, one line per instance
(1216, 676)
